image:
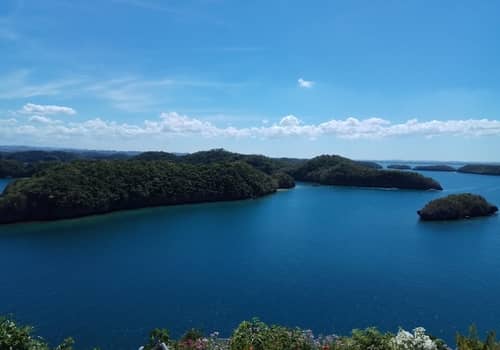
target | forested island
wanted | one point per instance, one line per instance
(399, 166)
(59, 185)
(336, 170)
(481, 169)
(457, 206)
(94, 187)
(436, 167)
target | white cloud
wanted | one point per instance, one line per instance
(307, 84)
(290, 120)
(7, 122)
(43, 120)
(31, 108)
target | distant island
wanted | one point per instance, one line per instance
(399, 166)
(436, 167)
(336, 170)
(481, 169)
(457, 206)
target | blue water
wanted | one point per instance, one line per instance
(3, 184)
(326, 258)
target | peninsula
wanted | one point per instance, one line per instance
(337, 170)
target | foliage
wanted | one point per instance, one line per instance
(283, 180)
(157, 336)
(336, 170)
(257, 335)
(457, 206)
(16, 337)
(472, 342)
(265, 164)
(369, 164)
(92, 187)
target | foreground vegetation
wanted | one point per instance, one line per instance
(457, 206)
(257, 335)
(336, 170)
(93, 187)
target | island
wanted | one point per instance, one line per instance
(399, 166)
(82, 188)
(63, 186)
(337, 170)
(481, 169)
(436, 167)
(457, 206)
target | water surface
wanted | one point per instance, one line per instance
(326, 258)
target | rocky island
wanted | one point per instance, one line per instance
(457, 206)
(436, 167)
(337, 170)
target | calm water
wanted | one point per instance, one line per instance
(327, 258)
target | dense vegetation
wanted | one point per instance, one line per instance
(369, 164)
(27, 163)
(399, 166)
(257, 335)
(283, 180)
(457, 206)
(266, 164)
(436, 167)
(482, 169)
(92, 187)
(336, 170)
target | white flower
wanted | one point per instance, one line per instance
(405, 340)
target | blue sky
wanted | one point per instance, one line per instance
(365, 79)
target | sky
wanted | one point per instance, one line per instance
(408, 79)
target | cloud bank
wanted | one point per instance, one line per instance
(175, 124)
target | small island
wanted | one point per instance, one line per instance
(456, 207)
(436, 167)
(481, 169)
(399, 166)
